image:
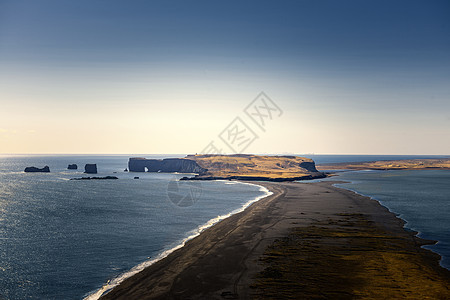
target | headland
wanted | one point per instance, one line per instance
(238, 167)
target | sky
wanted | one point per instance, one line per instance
(111, 77)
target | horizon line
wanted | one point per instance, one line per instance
(279, 154)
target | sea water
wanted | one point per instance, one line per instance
(420, 197)
(65, 239)
(69, 239)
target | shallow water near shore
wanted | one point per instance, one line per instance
(420, 197)
(64, 239)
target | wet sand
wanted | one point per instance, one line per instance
(304, 241)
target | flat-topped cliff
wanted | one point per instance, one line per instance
(168, 165)
(237, 166)
(247, 165)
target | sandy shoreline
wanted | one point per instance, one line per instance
(230, 260)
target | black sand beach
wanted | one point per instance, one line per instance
(304, 241)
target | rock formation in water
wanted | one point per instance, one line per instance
(72, 167)
(45, 169)
(90, 169)
(169, 165)
(95, 178)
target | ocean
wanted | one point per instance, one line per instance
(66, 239)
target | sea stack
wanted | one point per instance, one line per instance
(45, 169)
(90, 169)
(72, 167)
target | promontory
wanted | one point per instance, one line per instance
(237, 166)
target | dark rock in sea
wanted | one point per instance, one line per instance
(72, 167)
(90, 169)
(45, 169)
(126, 170)
(169, 165)
(95, 178)
(136, 177)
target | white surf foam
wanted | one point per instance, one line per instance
(108, 286)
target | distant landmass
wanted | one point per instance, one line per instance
(237, 166)
(407, 164)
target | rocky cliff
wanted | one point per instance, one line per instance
(238, 166)
(169, 165)
(256, 166)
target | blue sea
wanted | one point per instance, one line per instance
(66, 239)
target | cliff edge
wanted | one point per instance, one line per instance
(168, 165)
(237, 166)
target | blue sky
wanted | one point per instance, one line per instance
(350, 76)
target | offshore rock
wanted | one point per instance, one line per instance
(90, 169)
(45, 169)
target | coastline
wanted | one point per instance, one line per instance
(419, 231)
(224, 260)
(319, 175)
(116, 281)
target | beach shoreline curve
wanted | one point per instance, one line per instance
(225, 259)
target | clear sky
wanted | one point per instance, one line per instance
(351, 77)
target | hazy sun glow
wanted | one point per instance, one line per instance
(355, 78)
